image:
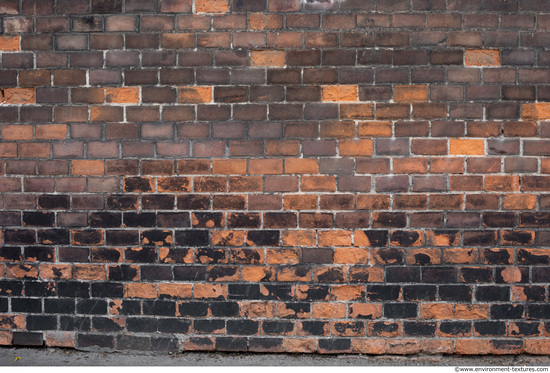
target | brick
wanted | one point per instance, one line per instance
(267, 58)
(482, 57)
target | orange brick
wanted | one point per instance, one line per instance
(262, 21)
(229, 166)
(12, 321)
(217, 291)
(438, 311)
(88, 167)
(300, 202)
(60, 339)
(473, 347)
(292, 274)
(410, 93)
(471, 312)
(519, 201)
(339, 93)
(301, 166)
(6, 338)
(461, 256)
(178, 41)
(9, 43)
(34, 150)
(265, 166)
(51, 131)
(194, 95)
(402, 346)
(299, 345)
(55, 271)
(227, 238)
(123, 95)
(257, 274)
(351, 255)
(536, 111)
(211, 6)
(347, 292)
(267, 58)
(356, 148)
(373, 202)
(15, 96)
(258, 309)
(17, 132)
(328, 310)
(432, 346)
(318, 183)
(334, 238)
(537, 346)
(89, 272)
(137, 290)
(368, 346)
(375, 129)
(285, 147)
(357, 111)
(365, 310)
(509, 183)
(482, 57)
(298, 238)
(467, 147)
(175, 290)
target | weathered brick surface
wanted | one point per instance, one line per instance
(275, 175)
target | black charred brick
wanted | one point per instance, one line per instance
(107, 6)
(455, 328)
(54, 202)
(277, 327)
(95, 340)
(4, 305)
(493, 293)
(391, 255)
(476, 274)
(145, 219)
(122, 237)
(277, 220)
(528, 258)
(215, 273)
(315, 293)
(133, 343)
(173, 325)
(297, 308)
(381, 328)
(440, 275)
(538, 311)
(156, 273)
(193, 237)
(105, 220)
(40, 289)
(141, 324)
(400, 310)
(446, 57)
(212, 256)
(107, 290)
(328, 275)
(74, 323)
(208, 326)
(404, 238)
(173, 220)
(189, 273)
(164, 344)
(506, 311)
(402, 274)
(490, 328)
(129, 307)
(231, 344)
(19, 237)
(383, 292)
(317, 255)
(40, 322)
(248, 5)
(91, 306)
(121, 202)
(390, 220)
(534, 293)
(276, 292)
(496, 256)
(59, 305)
(157, 202)
(175, 255)
(10, 254)
(88, 237)
(224, 309)
(8, 218)
(26, 305)
(480, 238)
(419, 292)
(12, 288)
(455, 293)
(243, 327)
(335, 345)
(526, 328)
(419, 328)
(534, 219)
(499, 220)
(53, 236)
(524, 271)
(263, 238)
(105, 324)
(193, 309)
(39, 254)
(159, 307)
(27, 339)
(122, 272)
(265, 344)
(208, 219)
(140, 255)
(510, 346)
(193, 202)
(38, 219)
(73, 289)
(74, 254)
(137, 184)
(315, 327)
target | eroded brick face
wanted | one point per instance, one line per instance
(296, 176)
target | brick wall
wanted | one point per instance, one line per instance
(365, 176)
